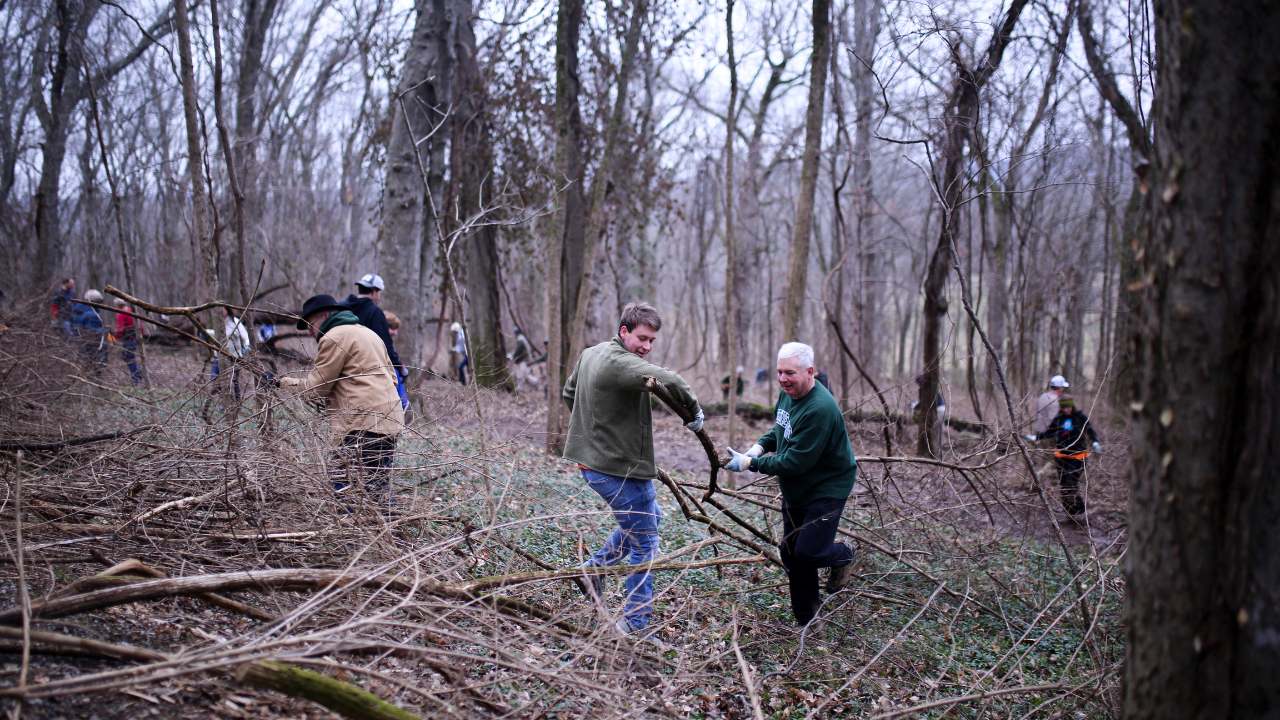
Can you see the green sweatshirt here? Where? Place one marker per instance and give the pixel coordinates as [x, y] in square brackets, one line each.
[610, 426]
[811, 456]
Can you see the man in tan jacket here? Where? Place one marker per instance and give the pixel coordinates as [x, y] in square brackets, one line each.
[354, 378]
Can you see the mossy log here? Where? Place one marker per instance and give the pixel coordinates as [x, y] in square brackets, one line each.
[339, 696]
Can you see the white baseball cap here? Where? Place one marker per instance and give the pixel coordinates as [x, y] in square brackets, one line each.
[1057, 381]
[371, 280]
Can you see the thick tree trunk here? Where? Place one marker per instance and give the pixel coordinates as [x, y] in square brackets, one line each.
[415, 114]
[471, 157]
[798, 265]
[65, 89]
[564, 243]
[1204, 544]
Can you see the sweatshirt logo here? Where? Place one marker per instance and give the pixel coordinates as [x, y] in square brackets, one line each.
[1067, 424]
[784, 419]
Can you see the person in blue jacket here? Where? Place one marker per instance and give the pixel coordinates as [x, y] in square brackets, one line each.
[86, 325]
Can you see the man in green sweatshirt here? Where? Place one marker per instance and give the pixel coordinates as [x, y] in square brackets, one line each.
[611, 439]
[815, 467]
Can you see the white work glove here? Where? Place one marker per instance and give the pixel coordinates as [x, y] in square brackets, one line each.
[1030, 438]
[738, 461]
[1097, 446]
[755, 451]
[696, 423]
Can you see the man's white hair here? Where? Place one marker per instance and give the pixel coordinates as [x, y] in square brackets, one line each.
[801, 352]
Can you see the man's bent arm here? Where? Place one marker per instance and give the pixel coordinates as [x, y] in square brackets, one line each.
[319, 382]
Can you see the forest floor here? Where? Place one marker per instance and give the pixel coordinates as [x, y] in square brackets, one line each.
[974, 597]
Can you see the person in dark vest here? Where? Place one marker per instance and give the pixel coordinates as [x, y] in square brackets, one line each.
[1073, 436]
[808, 450]
[365, 304]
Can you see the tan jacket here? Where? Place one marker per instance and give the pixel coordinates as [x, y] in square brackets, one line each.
[354, 375]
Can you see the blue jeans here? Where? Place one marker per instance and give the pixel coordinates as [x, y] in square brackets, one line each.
[635, 507]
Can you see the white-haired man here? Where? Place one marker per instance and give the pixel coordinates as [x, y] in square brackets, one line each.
[808, 450]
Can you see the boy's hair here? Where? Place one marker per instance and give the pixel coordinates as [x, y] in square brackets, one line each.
[393, 320]
[636, 314]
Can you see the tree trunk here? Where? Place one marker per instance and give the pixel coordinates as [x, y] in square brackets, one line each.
[471, 157]
[415, 113]
[65, 88]
[207, 277]
[258, 16]
[563, 256]
[798, 266]
[731, 329]
[1203, 571]
[866, 31]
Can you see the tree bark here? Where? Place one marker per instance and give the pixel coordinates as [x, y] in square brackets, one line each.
[416, 112]
[731, 329]
[1204, 550]
[798, 266]
[202, 229]
[563, 256]
[471, 157]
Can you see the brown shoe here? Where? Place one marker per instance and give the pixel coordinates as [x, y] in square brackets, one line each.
[840, 577]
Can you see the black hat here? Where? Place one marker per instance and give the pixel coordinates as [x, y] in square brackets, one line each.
[315, 304]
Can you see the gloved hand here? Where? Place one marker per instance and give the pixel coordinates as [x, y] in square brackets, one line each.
[1097, 446]
[696, 423]
[1030, 438]
[269, 379]
[755, 451]
[737, 461]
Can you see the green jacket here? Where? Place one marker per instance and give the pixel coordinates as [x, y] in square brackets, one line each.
[610, 425]
[811, 456]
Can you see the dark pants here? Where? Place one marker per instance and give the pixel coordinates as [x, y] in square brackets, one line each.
[1069, 473]
[364, 458]
[129, 353]
[808, 543]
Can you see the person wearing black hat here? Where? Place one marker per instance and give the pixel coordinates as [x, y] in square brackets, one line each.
[1074, 436]
[355, 377]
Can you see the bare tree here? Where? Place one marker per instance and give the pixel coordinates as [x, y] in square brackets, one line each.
[731, 328]
[959, 119]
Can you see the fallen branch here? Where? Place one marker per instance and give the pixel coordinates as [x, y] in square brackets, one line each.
[274, 579]
[486, 583]
[42, 639]
[42, 445]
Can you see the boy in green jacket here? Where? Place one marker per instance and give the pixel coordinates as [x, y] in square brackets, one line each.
[815, 467]
[611, 439]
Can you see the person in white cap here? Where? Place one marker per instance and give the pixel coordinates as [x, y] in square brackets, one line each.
[458, 353]
[364, 303]
[1046, 406]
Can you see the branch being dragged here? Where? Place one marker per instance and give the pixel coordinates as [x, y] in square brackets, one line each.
[654, 386]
